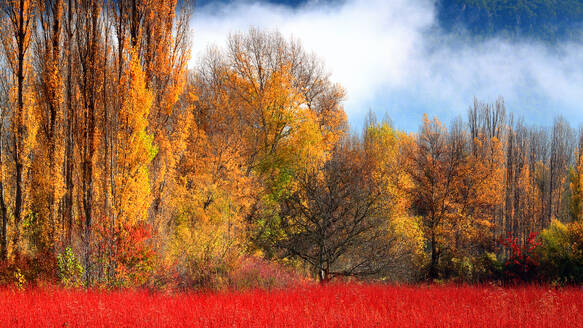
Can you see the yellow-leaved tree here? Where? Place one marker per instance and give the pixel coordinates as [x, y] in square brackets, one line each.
[384, 148]
[131, 192]
[46, 229]
[16, 30]
[575, 185]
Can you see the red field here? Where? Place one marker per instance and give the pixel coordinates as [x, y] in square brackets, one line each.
[329, 306]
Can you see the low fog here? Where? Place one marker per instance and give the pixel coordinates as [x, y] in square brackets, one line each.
[392, 57]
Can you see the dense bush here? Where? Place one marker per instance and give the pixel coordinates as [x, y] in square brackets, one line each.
[476, 269]
[70, 270]
[561, 252]
[522, 263]
[29, 271]
[254, 272]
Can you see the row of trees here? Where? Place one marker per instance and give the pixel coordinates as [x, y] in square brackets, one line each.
[120, 167]
[488, 178]
[89, 119]
[109, 147]
[442, 203]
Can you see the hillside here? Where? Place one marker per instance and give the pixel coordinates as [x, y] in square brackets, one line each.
[549, 20]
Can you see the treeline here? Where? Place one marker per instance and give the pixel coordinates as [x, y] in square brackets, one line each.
[485, 187]
[90, 127]
[119, 167]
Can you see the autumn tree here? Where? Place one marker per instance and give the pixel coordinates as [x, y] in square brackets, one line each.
[4, 108]
[561, 156]
[526, 180]
[166, 52]
[334, 220]
[483, 188]
[90, 83]
[385, 149]
[286, 130]
[19, 23]
[435, 169]
[134, 150]
[50, 92]
[274, 104]
[157, 31]
[575, 184]
[69, 119]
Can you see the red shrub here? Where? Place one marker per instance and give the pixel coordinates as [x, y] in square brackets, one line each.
[126, 245]
[522, 263]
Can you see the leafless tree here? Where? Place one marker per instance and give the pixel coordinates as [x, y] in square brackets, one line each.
[334, 221]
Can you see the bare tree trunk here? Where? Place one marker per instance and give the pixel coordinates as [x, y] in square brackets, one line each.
[20, 130]
[434, 257]
[3, 210]
[69, 124]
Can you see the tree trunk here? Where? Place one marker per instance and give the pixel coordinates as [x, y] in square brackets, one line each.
[433, 274]
[69, 122]
[19, 136]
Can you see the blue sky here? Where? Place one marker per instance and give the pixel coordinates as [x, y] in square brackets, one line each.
[391, 57]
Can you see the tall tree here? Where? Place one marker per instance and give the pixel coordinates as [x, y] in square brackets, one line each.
[50, 92]
[4, 109]
[16, 42]
[562, 145]
[334, 220]
[88, 52]
[435, 169]
[135, 150]
[69, 116]
[278, 104]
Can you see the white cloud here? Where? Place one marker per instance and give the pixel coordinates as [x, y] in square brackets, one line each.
[380, 49]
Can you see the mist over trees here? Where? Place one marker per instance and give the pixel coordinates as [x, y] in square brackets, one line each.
[120, 167]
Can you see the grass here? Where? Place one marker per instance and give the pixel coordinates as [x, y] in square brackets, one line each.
[336, 305]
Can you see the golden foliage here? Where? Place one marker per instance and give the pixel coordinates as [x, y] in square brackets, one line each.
[136, 149]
